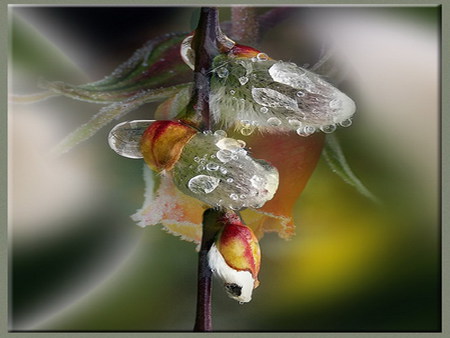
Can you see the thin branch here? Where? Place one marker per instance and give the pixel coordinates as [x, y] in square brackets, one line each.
[211, 225]
[205, 45]
[244, 25]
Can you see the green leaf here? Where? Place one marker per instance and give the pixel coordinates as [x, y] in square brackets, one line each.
[335, 158]
[157, 64]
[113, 112]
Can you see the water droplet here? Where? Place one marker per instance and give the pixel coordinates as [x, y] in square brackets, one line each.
[262, 57]
[201, 167]
[212, 166]
[197, 159]
[328, 129]
[243, 80]
[207, 132]
[125, 138]
[241, 143]
[242, 196]
[234, 197]
[246, 123]
[294, 123]
[220, 133]
[229, 144]
[222, 72]
[274, 121]
[306, 130]
[224, 155]
[241, 152]
[203, 184]
[223, 170]
[346, 123]
[300, 93]
[289, 74]
[264, 110]
[230, 180]
[241, 303]
[232, 92]
[246, 131]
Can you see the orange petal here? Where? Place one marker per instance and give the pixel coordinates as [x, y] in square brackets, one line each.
[295, 157]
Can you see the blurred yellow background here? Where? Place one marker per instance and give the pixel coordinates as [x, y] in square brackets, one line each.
[78, 262]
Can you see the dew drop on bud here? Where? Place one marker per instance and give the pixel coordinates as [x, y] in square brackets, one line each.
[274, 121]
[234, 197]
[203, 184]
[246, 131]
[262, 57]
[222, 72]
[243, 80]
[328, 129]
[125, 138]
[212, 166]
[346, 123]
[224, 155]
[220, 133]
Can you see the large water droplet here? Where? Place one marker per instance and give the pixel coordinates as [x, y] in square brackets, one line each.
[289, 74]
[203, 184]
[125, 138]
[272, 98]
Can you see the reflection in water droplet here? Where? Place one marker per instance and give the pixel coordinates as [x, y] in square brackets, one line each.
[203, 184]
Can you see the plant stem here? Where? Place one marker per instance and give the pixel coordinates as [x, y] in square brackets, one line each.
[244, 25]
[203, 318]
[205, 45]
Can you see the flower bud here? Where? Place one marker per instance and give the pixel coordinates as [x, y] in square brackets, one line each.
[235, 258]
[163, 142]
[218, 171]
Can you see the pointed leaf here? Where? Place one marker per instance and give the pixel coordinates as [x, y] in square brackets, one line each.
[113, 112]
[335, 158]
[157, 64]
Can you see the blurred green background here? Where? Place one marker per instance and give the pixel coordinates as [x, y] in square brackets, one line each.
[79, 263]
